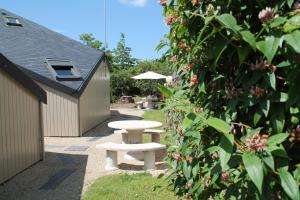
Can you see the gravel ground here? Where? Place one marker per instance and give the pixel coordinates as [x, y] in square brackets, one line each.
[72, 164]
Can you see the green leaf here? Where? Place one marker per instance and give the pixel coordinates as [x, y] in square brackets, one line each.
[292, 39]
[277, 138]
[297, 173]
[295, 120]
[290, 3]
[265, 107]
[218, 124]
[269, 47]
[217, 48]
[292, 24]
[186, 170]
[243, 52]
[254, 168]
[277, 118]
[284, 64]
[229, 22]
[195, 170]
[257, 116]
[277, 21]
[249, 38]
[294, 110]
[278, 151]
[226, 148]
[289, 185]
[188, 120]
[272, 80]
[268, 159]
[280, 97]
[165, 91]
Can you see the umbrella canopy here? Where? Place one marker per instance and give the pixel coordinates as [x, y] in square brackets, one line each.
[150, 75]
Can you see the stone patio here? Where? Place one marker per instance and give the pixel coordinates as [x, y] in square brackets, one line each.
[71, 165]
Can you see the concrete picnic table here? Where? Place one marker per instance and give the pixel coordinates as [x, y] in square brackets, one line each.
[135, 130]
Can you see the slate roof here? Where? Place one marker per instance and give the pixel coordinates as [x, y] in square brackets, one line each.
[29, 45]
[13, 71]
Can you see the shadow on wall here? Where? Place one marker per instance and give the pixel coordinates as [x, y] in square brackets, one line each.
[59, 176]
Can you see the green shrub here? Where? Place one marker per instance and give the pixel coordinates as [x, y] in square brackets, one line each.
[123, 84]
[235, 114]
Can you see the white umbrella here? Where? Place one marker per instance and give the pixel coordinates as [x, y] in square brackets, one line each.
[150, 75]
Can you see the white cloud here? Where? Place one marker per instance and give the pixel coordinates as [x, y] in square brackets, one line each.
[137, 3]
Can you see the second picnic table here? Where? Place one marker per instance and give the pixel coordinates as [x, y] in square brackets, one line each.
[135, 130]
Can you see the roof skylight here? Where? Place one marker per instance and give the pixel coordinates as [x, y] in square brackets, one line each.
[12, 21]
[63, 70]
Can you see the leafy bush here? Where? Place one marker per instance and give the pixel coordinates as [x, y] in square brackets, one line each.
[123, 84]
[235, 115]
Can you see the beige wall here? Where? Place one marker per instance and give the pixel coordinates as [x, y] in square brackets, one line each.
[94, 103]
[60, 115]
[20, 132]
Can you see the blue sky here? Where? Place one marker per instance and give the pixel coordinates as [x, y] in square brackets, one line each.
[140, 20]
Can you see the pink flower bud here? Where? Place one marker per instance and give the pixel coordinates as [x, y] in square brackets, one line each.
[298, 128]
[163, 2]
[188, 67]
[173, 59]
[257, 142]
[225, 176]
[194, 80]
[266, 15]
[170, 20]
[257, 91]
[297, 7]
[195, 2]
[177, 157]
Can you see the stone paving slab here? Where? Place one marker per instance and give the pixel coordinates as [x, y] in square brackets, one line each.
[77, 148]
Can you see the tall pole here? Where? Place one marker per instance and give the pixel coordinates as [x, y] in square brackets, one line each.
[105, 36]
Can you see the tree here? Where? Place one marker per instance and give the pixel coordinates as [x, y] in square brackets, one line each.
[89, 40]
[122, 55]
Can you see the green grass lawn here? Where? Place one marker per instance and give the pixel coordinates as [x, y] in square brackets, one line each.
[156, 115]
[123, 186]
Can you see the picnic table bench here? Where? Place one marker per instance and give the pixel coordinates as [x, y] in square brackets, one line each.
[147, 148]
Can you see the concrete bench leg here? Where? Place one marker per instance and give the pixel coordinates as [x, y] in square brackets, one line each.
[139, 106]
[111, 160]
[124, 138]
[155, 137]
[149, 158]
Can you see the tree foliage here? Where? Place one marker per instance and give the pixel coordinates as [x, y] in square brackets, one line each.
[122, 55]
[123, 84]
[89, 40]
[235, 113]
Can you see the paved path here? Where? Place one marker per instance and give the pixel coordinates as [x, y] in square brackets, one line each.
[70, 165]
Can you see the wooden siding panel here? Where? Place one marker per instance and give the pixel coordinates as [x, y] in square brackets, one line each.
[19, 128]
[60, 114]
[95, 100]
